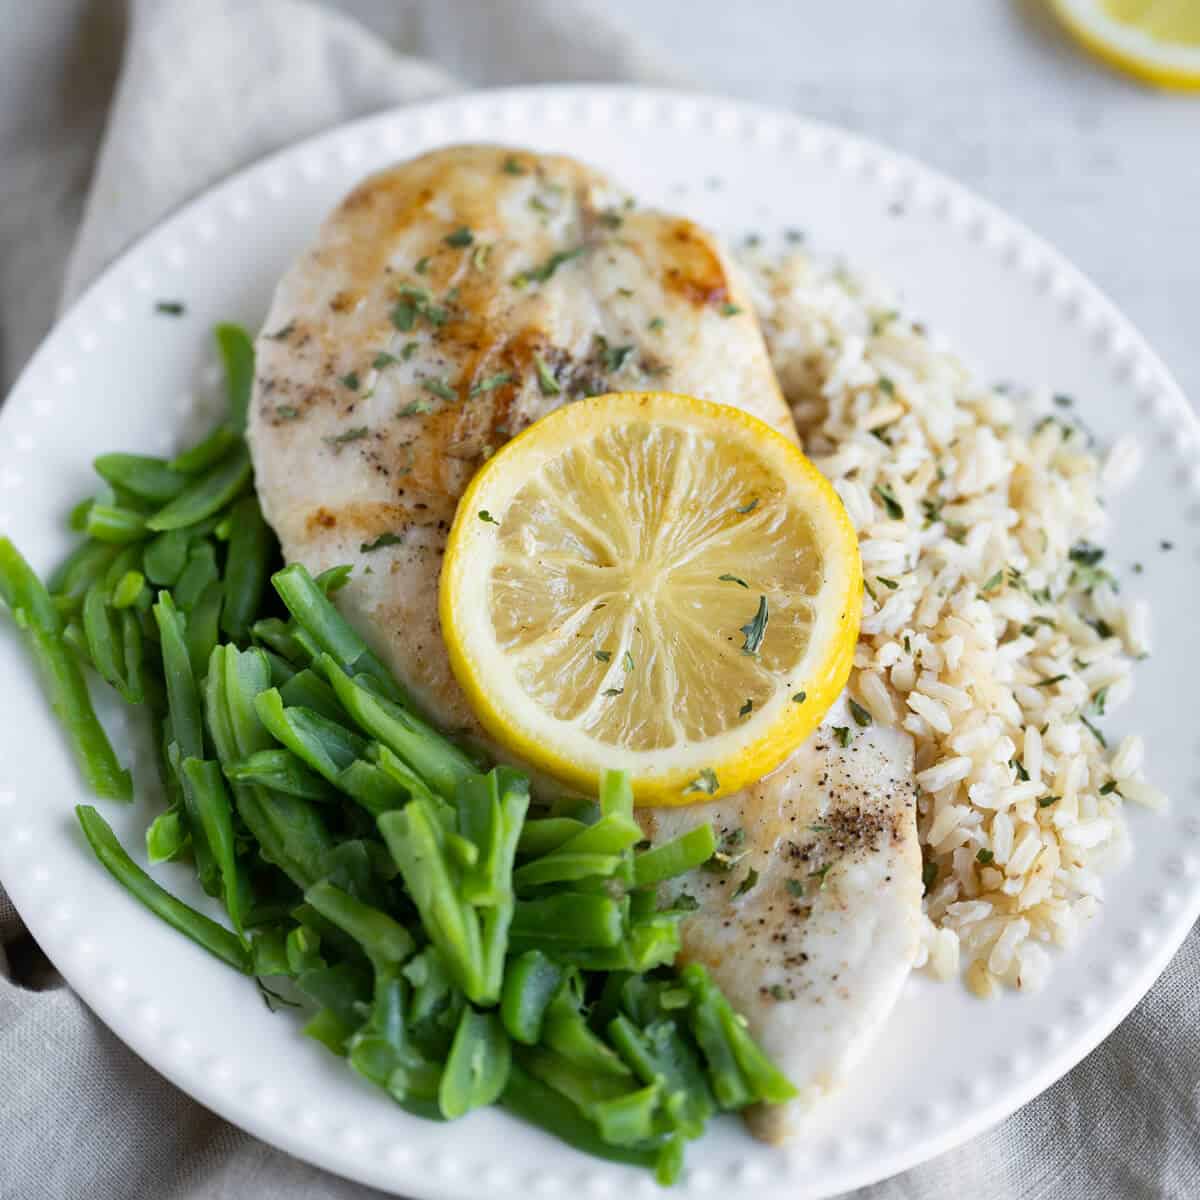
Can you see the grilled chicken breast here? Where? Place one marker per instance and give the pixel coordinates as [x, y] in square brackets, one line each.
[451, 301]
[448, 303]
[813, 920]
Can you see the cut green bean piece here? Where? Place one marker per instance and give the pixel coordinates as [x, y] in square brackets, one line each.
[306, 689]
[616, 794]
[36, 615]
[659, 1054]
[167, 837]
[491, 809]
[128, 589]
[286, 639]
[477, 1069]
[324, 745]
[532, 1100]
[583, 1087]
[541, 836]
[165, 557]
[214, 938]
[251, 546]
[104, 641]
[530, 983]
[281, 771]
[385, 940]
[237, 356]
[211, 450]
[109, 523]
[289, 832]
[569, 919]
[684, 853]
[413, 837]
[629, 1119]
[400, 773]
[561, 867]
[148, 478]
[269, 950]
[767, 1082]
[206, 495]
[183, 696]
[202, 627]
[372, 787]
[303, 949]
[246, 673]
[565, 1031]
[205, 785]
[74, 575]
[200, 571]
[334, 579]
[438, 761]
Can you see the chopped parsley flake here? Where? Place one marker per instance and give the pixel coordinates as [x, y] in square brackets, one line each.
[422, 265]
[779, 992]
[1018, 766]
[627, 662]
[1046, 801]
[891, 505]
[755, 628]
[750, 879]
[417, 406]
[511, 166]
[480, 255]
[546, 380]
[1063, 400]
[170, 308]
[746, 709]
[705, 782]
[730, 310]
[439, 388]
[286, 412]
[732, 579]
[1094, 732]
[384, 359]
[351, 435]
[993, 582]
[685, 902]
[799, 697]
[1085, 554]
[1109, 788]
[487, 518]
[862, 718]
[795, 887]
[887, 386]
[748, 508]
[612, 692]
[984, 857]
[842, 734]
[384, 539]
[613, 357]
[462, 236]
[542, 273]
[655, 324]
[350, 380]
[887, 583]
[1050, 681]
[820, 873]
[603, 655]
[929, 874]
[492, 382]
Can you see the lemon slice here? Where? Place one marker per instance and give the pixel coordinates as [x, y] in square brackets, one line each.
[651, 582]
[1156, 40]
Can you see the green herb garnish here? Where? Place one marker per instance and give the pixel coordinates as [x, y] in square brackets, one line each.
[492, 382]
[748, 508]
[439, 388]
[891, 505]
[487, 518]
[705, 782]
[749, 880]
[984, 857]
[170, 308]
[746, 709]
[862, 718]
[384, 539]
[603, 655]
[733, 579]
[351, 435]
[842, 735]
[462, 236]
[542, 273]
[350, 380]
[755, 628]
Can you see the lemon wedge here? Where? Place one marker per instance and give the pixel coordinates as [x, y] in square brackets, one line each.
[651, 582]
[1156, 40]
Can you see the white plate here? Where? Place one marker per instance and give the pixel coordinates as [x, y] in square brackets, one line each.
[115, 375]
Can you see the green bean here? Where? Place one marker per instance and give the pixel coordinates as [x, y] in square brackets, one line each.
[214, 938]
[206, 495]
[343, 991]
[334, 579]
[322, 744]
[536, 1102]
[167, 837]
[202, 626]
[385, 940]
[561, 867]
[183, 697]
[372, 787]
[72, 635]
[74, 575]
[109, 523]
[413, 838]
[569, 919]
[491, 809]
[281, 669]
[399, 772]
[629, 1119]
[530, 983]
[77, 517]
[269, 950]
[286, 639]
[659, 1054]
[672, 858]
[165, 557]
[207, 452]
[201, 570]
[289, 832]
[251, 547]
[237, 355]
[147, 478]
[281, 771]
[546, 834]
[565, 1031]
[613, 834]
[129, 588]
[764, 1079]
[616, 794]
[436, 759]
[205, 785]
[35, 614]
[245, 674]
[303, 950]
[306, 689]
[476, 1071]
[315, 612]
[105, 645]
